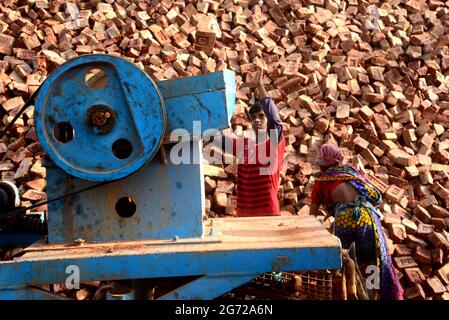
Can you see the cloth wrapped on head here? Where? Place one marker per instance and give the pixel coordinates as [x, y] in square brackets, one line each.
[329, 155]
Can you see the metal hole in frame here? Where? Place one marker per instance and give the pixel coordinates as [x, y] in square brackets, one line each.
[122, 148]
[125, 207]
[96, 78]
[63, 132]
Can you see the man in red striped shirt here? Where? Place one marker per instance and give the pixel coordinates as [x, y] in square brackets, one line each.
[259, 158]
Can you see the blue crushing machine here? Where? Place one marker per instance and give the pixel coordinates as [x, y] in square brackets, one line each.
[126, 210]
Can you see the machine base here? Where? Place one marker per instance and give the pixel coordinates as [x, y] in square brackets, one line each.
[234, 251]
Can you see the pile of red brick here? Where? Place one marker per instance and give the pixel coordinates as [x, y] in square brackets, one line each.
[371, 76]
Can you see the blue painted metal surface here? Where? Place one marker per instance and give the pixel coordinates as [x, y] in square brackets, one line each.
[208, 287]
[139, 109]
[139, 117]
[169, 201]
[207, 98]
[169, 198]
[152, 263]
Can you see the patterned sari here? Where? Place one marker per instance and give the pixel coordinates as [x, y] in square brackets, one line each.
[359, 222]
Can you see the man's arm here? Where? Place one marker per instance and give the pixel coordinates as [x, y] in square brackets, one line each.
[271, 112]
[269, 108]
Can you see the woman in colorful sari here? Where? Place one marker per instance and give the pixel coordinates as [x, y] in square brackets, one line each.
[352, 199]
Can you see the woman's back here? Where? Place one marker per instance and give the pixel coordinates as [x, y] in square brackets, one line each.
[331, 193]
[344, 193]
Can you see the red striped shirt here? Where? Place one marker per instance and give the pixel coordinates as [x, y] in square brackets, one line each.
[258, 176]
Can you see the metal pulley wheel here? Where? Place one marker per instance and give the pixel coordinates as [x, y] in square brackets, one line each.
[99, 117]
